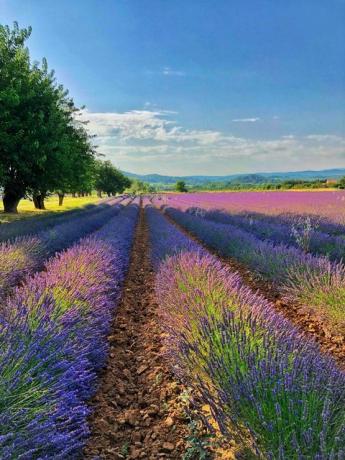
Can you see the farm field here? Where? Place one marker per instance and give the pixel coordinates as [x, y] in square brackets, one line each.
[318, 204]
[172, 230]
[26, 207]
[180, 326]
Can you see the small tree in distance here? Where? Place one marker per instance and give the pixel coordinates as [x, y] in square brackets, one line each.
[341, 183]
[181, 186]
[109, 179]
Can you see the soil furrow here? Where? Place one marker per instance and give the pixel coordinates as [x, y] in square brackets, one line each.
[138, 411]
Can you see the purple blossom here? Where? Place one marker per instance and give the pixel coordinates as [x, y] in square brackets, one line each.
[257, 373]
[306, 279]
[27, 254]
[53, 339]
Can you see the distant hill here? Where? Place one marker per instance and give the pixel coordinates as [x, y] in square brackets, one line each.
[257, 178]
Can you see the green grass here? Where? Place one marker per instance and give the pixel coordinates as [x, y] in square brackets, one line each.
[26, 207]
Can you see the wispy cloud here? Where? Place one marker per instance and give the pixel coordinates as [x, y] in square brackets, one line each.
[173, 73]
[141, 125]
[153, 139]
[246, 120]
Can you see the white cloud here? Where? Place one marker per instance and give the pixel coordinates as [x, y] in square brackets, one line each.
[153, 139]
[173, 73]
[325, 138]
[246, 120]
[143, 125]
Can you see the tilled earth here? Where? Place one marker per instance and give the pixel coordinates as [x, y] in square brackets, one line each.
[138, 412]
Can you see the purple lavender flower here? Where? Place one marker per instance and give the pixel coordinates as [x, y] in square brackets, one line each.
[257, 373]
[53, 339]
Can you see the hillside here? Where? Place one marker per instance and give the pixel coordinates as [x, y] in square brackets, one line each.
[256, 178]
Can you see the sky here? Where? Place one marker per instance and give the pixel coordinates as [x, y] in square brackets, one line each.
[191, 87]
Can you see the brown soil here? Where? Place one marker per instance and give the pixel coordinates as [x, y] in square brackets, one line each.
[138, 412]
[305, 319]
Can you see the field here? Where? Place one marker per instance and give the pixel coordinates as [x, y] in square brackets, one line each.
[26, 207]
[180, 326]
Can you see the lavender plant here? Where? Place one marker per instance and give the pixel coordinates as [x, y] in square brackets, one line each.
[164, 242]
[53, 334]
[40, 223]
[249, 364]
[300, 276]
[25, 255]
[300, 231]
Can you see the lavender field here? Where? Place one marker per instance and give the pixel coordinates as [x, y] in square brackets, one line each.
[274, 384]
[172, 230]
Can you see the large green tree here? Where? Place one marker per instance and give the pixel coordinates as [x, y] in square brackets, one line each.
[42, 146]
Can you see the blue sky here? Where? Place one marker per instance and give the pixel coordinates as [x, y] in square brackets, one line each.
[200, 86]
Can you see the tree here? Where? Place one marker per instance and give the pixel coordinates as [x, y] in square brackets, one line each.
[109, 179]
[181, 186]
[40, 140]
[139, 186]
[67, 164]
[15, 91]
[341, 183]
[78, 171]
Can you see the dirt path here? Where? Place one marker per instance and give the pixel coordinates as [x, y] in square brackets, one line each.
[138, 410]
[304, 319]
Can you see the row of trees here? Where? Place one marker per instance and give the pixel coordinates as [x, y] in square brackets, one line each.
[44, 146]
[109, 179]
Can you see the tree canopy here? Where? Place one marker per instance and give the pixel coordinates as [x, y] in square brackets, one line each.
[43, 146]
[341, 183]
[109, 179]
[181, 186]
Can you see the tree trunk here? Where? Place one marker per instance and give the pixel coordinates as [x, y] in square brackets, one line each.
[99, 193]
[73, 195]
[109, 194]
[38, 200]
[10, 200]
[61, 197]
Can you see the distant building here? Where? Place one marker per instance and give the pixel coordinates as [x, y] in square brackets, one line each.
[331, 181]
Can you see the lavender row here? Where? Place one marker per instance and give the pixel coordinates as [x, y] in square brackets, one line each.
[53, 338]
[251, 366]
[323, 209]
[257, 374]
[301, 232]
[322, 223]
[302, 278]
[27, 254]
[37, 224]
[164, 241]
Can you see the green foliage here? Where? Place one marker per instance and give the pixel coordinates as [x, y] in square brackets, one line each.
[246, 185]
[198, 445]
[181, 186]
[341, 183]
[139, 186]
[109, 179]
[43, 147]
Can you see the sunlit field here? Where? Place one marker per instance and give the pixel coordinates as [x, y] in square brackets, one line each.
[328, 204]
[26, 207]
[193, 307]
